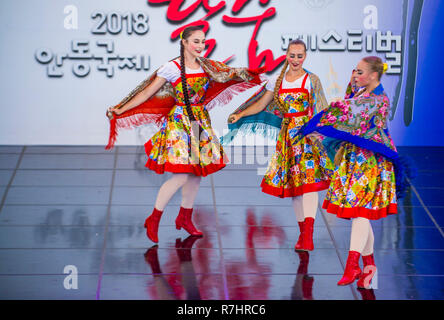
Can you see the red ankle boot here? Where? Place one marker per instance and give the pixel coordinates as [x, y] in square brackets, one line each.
[307, 239]
[368, 261]
[352, 270]
[367, 294]
[152, 225]
[152, 259]
[307, 287]
[183, 220]
[304, 258]
[183, 248]
[299, 245]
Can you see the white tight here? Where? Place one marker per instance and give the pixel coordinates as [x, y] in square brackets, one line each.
[305, 206]
[362, 237]
[189, 184]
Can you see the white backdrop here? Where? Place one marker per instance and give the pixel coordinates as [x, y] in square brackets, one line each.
[58, 107]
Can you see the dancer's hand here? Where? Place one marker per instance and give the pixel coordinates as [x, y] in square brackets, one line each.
[352, 79]
[339, 155]
[111, 111]
[315, 136]
[234, 118]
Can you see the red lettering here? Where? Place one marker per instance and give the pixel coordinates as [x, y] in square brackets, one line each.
[211, 44]
[265, 56]
[174, 13]
[204, 24]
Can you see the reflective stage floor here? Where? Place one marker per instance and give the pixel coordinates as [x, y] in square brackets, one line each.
[81, 209]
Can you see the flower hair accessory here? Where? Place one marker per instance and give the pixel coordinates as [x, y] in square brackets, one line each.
[385, 68]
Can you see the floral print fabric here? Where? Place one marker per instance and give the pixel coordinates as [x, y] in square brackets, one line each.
[296, 168]
[184, 147]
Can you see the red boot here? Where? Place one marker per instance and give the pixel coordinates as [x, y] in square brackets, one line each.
[152, 259]
[183, 220]
[299, 245]
[352, 270]
[183, 248]
[304, 258]
[368, 261]
[307, 287]
[367, 294]
[307, 239]
[307, 281]
[152, 225]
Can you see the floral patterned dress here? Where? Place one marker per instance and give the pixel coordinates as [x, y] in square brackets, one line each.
[364, 184]
[177, 147]
[302, 167]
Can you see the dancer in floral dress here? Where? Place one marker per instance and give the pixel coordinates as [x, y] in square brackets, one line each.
[368, 177]
[186, 144]
[298, 170]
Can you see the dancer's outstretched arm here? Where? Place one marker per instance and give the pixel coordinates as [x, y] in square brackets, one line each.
[257, 107]
[141, 97]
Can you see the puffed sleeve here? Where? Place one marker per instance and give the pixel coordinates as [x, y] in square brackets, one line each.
[271, 83]
[169, 71]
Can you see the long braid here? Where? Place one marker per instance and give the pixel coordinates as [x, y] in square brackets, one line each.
[283, 107]
[184, 84]
[279, 80]
[185, 34]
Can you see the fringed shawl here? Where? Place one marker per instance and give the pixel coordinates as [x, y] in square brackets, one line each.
[269, 121]
[225, 83]
[363, 122]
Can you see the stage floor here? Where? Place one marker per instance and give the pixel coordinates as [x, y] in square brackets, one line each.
[85, 207]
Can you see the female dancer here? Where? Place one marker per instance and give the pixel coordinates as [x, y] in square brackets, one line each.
[178, 96]
[296, 170]
[363, 186]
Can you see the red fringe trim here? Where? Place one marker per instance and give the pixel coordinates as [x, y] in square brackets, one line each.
[294, 192]
[112, 134]
[222, 93]
[348, 213]
[180, 168]
[154, 110]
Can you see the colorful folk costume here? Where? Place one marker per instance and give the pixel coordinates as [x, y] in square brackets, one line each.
[296, 168]
[185, 143]
[364, 183]
[368, 177]
[170, 149]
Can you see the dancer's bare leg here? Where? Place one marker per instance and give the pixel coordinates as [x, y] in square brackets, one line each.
[189, 191]
[359, 234]
[368, 248]
[310, 204]
[298, 208]
[169, 188]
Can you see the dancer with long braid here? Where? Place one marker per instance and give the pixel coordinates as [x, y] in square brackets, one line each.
[299, 170]
[178, 96]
